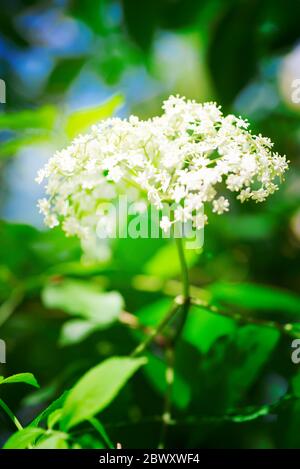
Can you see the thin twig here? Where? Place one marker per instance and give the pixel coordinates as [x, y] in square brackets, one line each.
[238, 416]
[286, 328]
[159, 328]
[133, 322]
[201, 297]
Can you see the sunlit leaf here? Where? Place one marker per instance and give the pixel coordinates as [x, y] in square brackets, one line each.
[53, 418]
[56, 440]
[76, 331]
[165, 263]
[102, 432]
[83, 299]
[23, 438]
[57, 404]
[97, 389]
[41, 118]
[13, 145]
[27, 378]
[80, 121]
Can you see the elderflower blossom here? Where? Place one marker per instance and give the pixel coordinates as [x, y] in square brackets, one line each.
[186, 157]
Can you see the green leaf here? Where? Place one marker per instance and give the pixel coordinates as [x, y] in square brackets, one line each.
[57, 440]
[82, 299]
[42, 118]
[43, 248]
[203, 328]
[102, 432]
[256, 297]
[97, 388]
[23, 438]
[80, 121]
[253, 348]
[76, 331]
[13, 145]
[165, 262]
[27, 378]
[53, 418]
[57, 404]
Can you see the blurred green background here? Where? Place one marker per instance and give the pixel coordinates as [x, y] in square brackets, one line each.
[67, 64]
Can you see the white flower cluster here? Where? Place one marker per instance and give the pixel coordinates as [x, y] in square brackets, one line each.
[185, 157]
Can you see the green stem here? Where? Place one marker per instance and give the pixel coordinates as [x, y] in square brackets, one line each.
[184, 269]
[170, 352]
[143, 345]
[166, 416]
[11, 415]
[9, 306]
[185, 290]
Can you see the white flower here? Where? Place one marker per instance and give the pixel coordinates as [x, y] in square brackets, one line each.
[165, 224]
[260, 195]
[248, 163]
[154, 197]
[178, 193]
[200, 221]
[66, 161]
[40, 176]
[244, 194]
[44, 206]
[115, 174]
[182, 214]
[51, 220]
[179, 158]
[220, 205]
